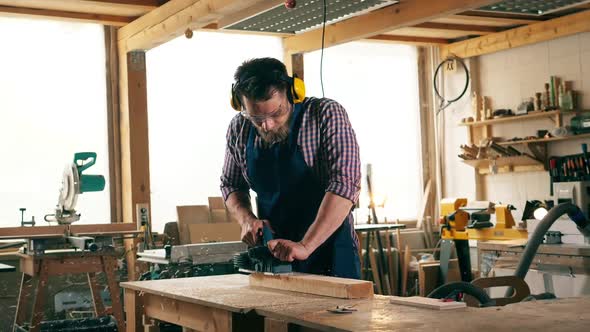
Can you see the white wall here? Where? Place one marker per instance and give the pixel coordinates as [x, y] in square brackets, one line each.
[509, 77]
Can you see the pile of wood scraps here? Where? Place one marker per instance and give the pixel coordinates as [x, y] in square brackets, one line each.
[206, 223]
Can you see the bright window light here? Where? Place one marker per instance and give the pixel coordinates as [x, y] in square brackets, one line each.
[52, 104]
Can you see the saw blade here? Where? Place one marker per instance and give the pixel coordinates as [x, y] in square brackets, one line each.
[70, 189]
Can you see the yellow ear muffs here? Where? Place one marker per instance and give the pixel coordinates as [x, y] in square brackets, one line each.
[235, 101]
[298, 90]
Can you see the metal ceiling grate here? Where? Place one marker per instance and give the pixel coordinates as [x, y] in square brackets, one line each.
[532, 7]
[308, 14]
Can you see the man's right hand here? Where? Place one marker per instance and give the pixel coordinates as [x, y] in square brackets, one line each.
[251, 230]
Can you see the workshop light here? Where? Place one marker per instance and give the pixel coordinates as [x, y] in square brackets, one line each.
[540, 213]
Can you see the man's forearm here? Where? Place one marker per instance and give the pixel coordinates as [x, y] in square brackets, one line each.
[330, 216]
[239, 206]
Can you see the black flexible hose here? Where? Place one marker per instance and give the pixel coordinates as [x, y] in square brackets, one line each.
[446, 290]
[536, 239]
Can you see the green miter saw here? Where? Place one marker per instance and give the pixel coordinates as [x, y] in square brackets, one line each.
[73, 184]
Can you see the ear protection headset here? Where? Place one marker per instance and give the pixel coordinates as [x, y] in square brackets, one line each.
[295, 91]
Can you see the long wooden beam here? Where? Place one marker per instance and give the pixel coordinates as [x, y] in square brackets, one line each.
[404, 14]
[173, 18]
[410, 40]
[26, 232]
[467, 28]
[111, 20]
[529, 34]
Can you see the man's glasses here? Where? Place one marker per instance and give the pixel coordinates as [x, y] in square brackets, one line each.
[259, 119]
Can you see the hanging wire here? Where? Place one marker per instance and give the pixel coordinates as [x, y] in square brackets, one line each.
[322, 53]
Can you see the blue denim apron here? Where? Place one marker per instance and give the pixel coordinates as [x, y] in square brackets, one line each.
[289, 196]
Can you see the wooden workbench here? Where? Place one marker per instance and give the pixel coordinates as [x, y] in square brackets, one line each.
[227, 303]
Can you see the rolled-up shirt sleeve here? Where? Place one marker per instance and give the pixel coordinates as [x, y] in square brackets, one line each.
[341, 152]
[232, 178]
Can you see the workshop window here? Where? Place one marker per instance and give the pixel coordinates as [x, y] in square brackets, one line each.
[377, 83]
[188, 84]
[52, 104]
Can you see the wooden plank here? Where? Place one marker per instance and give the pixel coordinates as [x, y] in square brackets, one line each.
[56, 231]
[124, 8]
[114, 127]
[411, 40]
[173, 18]
[315, 284]
[104, 19]
[190, 214]
[216, 203]
[427, 303]
[375, 269]
[220, 232]
[429, 275]
[404, 14]
[530, 34]
[191, 315]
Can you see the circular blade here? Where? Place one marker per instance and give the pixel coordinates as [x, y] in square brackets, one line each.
[70, 188]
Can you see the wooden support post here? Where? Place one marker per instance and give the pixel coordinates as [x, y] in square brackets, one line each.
[273, 325]
[40, 297]
[135, 172]
[133, 310]
[95, 292]
[109, 264]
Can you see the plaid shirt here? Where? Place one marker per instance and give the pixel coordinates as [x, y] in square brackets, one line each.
[326, 139]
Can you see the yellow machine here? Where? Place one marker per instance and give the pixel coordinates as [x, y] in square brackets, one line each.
[459, 224]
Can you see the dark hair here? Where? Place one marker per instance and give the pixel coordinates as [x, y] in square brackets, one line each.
[257, 79]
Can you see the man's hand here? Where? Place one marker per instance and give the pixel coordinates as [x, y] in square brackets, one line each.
[251, 231]
[288, 251]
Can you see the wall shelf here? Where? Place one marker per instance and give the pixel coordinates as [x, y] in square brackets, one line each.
[545, 140]
[522, 163]
[515, 118]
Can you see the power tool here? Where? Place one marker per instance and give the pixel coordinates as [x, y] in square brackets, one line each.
[260, 259]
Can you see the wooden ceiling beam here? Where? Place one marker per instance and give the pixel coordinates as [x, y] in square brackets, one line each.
[467, 28]
[111, 20]
[525, 35]
[248, 13]
[404, 14]
[411, 40]
[148, 4]
[173, 18]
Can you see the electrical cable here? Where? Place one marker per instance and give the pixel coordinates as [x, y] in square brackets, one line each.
[442, 105]
[322, 52]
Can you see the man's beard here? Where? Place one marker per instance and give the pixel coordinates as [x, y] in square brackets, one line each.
[276, 136]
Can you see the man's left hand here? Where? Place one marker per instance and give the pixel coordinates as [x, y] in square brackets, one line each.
[288, 251]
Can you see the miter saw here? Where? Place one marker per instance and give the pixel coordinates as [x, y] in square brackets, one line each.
[75, 183]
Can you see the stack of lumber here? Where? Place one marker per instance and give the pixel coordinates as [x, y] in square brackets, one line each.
[206, 223]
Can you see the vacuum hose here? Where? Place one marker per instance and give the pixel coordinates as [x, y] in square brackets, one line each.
[448, 290]
[536, 239]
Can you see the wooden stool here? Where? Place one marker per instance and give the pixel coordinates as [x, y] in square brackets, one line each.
[60, 263]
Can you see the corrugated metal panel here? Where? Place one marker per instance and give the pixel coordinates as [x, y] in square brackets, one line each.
[532, 7]
[308, 14]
